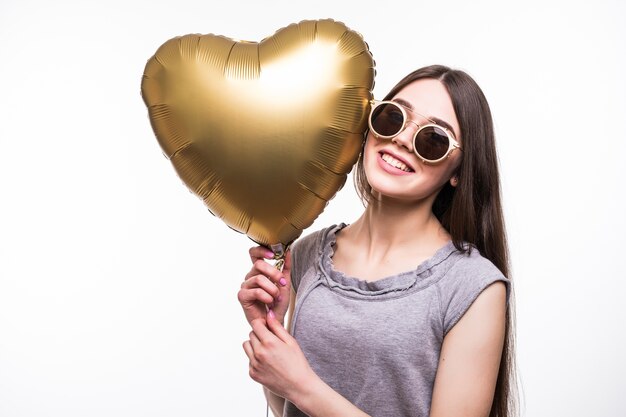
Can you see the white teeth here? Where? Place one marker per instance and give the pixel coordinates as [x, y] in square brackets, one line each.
[395, 163]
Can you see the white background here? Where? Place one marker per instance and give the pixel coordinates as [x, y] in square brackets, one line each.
[117, 286]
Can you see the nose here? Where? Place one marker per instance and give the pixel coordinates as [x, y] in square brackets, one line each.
[405, 138]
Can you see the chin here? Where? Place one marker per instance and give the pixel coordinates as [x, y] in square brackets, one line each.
[391, 188]
[393, 191]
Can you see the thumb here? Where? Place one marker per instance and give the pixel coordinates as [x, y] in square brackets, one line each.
[278, 329]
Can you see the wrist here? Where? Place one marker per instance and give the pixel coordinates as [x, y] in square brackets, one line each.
[311, 389]
[316, 398]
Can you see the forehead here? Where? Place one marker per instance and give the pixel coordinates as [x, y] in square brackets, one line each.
[430, 98]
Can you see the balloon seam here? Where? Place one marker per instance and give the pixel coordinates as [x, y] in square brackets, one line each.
[311, 191]
[227, 61]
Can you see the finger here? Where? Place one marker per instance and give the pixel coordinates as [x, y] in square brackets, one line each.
[259, 263]
[247, 347]
[270, 271]
[277, 329]
[246, 296]
[284, 293]
[287, 269]
[260, 252]
[262, 267]
[253, 364]
[254, 341]
[259, 327]
[261, 281]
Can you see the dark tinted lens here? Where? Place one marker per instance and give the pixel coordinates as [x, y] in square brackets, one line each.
[387, 120]
[431, 143]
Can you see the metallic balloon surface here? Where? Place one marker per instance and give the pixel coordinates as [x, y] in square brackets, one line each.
[265, 132]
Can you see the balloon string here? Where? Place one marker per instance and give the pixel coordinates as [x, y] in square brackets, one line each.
[280, 252]
[280, 263]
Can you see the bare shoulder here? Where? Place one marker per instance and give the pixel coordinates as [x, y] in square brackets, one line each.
[488, 306]
[482, 325]
[471, 353]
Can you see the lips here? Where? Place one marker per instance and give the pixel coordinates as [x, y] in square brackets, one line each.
[395, 161]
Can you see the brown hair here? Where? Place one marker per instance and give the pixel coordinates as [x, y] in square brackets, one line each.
[472, 211]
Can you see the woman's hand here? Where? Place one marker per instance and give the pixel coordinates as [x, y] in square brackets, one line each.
[276, 360]
[278, 363]
[265, 285]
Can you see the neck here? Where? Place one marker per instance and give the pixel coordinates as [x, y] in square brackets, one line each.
[391, 224]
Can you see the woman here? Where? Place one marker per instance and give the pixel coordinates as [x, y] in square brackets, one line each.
[372, 333]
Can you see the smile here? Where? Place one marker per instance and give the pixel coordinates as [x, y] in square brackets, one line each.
[390, 160]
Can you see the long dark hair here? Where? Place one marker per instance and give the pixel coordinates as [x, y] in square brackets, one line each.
[472, 211]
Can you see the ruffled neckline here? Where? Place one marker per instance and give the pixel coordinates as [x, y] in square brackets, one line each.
[418, 278]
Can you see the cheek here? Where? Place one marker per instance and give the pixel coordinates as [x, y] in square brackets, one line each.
[447, 172]
[455, 164]
[369, 153]
[368, 142]
[366, 150]
[369, 149]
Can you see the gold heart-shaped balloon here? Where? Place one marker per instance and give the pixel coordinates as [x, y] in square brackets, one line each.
[265, 133]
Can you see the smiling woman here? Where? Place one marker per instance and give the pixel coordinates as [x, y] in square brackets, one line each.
[412, 139]
[401, 312]
[117, 286]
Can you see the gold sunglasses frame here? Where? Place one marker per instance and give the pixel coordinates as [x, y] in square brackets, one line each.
[452, 142]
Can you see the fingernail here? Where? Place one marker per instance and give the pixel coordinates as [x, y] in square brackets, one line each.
[269, 254]
[280, 297]
[283, 282]
[271, 313]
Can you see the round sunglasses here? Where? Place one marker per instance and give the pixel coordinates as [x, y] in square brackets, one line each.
[432, 143]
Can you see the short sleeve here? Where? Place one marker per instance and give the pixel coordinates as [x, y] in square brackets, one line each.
[462, 285]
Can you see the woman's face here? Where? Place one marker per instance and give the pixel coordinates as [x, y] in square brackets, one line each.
[383, 159]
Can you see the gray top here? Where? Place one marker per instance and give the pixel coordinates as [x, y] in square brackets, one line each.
[378, 343]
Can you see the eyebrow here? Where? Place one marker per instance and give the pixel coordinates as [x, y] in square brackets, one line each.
[437, 120]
